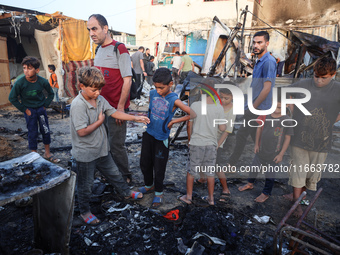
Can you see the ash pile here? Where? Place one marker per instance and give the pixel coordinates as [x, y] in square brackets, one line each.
[133, 229]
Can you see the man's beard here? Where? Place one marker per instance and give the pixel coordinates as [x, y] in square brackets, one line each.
[260, 52]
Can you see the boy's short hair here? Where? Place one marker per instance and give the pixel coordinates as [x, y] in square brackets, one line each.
[184, 53]
[324, 66]
[162, 75]
[141, 48]
[52, 67]
[31, 61]
[91, 77]
[225, 91]
[177, 53]
[152, 57]
[101, 20]
[264, 34]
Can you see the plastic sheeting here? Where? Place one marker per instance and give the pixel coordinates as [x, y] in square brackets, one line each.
[50, 54]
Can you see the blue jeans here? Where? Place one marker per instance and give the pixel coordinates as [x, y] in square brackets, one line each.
[56, 96]
[270, 176]
[38, 116]
[85, 179]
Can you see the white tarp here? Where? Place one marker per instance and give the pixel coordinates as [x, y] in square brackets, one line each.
[50, 55]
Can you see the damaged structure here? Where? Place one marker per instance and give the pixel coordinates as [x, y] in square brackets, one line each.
[54, 38]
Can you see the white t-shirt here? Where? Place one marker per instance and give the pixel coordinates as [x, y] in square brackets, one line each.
[176, 62]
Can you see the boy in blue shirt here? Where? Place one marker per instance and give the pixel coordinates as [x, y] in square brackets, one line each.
[155, 148]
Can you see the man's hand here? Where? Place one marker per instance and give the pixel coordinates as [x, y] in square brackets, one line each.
[256, 148]
[28, 112]
[120, 122]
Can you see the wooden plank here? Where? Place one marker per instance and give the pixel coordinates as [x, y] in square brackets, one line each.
[3, 48]
[4, 73]
[5, 80]
[4, 93]
[5, 15]
[5, 105]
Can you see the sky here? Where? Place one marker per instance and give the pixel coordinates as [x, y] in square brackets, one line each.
[120, 14]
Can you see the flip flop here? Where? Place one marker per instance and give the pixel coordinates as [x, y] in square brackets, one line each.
[145, 191]
[206, 199]
[179, 199]
[157, 200]
[134, 196]
[52, 159]
[88, 221]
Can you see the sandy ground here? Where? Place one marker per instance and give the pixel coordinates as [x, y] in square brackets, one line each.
[324, 215]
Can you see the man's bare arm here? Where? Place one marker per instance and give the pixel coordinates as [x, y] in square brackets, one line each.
[125, 93]
[264, 93]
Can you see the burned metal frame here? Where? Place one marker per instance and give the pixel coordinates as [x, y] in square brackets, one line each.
[297, 234]
[224, 50]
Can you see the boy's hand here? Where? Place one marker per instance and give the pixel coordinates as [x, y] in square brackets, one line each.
[278, 158]
[170, 124]
[101, 117]
[28, 112]
[142, 119]
[256, 149]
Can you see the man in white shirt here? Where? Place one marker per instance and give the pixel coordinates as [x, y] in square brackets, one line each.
[176, 63]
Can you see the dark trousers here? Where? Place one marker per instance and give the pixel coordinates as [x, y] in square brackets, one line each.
[242, 136]
[149, 79]
[85, 178]
[175, 76]
[270, 176]
[183, 76]
[153, 160]
[139, 84]
[38, 117]
[116, 136]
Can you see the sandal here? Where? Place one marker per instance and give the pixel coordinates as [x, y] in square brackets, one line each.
[134, 196]
[224, 197]
[52, 159]
[88, 221]
[206, 199]
[157, 202]
[183, 201]
[146, 191]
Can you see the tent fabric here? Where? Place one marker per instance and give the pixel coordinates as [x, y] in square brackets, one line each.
[70, 78]
[50, 54]
[76, 42]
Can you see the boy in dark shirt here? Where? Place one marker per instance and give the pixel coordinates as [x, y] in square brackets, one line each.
[272, 141]
[313, 133]
[33, 104]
